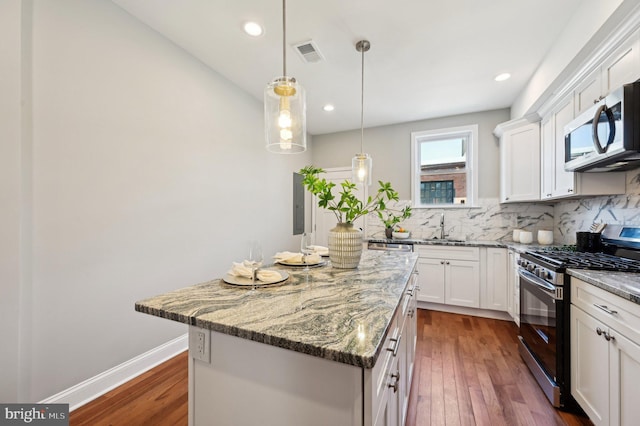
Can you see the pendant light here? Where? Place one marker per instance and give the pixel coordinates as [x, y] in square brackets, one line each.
[362, 164]
[285, 113]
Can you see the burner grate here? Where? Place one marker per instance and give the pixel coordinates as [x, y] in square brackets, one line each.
[594, 261]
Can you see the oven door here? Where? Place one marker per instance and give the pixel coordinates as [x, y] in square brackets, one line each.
[538, 310]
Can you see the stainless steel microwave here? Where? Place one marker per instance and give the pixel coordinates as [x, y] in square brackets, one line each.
[606, 137]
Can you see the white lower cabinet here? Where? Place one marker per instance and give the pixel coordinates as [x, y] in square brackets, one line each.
[450, 275]
[605, 355]
[495, 288]
[473, 277]
[513, 284]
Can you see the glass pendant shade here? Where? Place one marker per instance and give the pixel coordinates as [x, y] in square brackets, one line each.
[285, 116]
[361, 166]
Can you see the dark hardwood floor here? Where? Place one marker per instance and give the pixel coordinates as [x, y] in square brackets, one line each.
[468, 372]
[157, 397]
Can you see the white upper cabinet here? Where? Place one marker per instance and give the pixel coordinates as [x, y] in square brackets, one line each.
[615, 63]
[564, 182]
[622, 66]
[589, 91]
[547, 158]
[519, 161]
[556, 183]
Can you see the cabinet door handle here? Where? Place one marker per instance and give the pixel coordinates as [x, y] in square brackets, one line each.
[447, 262]
[570, 190]
[608, 337]
[396, 380]
[396, 345]
[599, 331]
[606, 309]
[395, 352]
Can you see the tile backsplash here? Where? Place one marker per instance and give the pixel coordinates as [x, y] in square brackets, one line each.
[578, 215]
[494, 221]
[489, 221]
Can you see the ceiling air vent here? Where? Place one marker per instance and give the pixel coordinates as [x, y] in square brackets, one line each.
[309, 51]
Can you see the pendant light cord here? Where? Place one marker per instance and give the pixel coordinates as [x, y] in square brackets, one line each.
[284, 38]
[362, 108]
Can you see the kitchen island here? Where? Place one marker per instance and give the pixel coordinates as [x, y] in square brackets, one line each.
[328, 346]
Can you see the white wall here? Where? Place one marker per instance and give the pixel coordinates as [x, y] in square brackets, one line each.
[10, 195]
[590, 26]
[390, 147]
[149, 174]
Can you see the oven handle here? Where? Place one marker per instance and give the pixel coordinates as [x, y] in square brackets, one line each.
[548, 287]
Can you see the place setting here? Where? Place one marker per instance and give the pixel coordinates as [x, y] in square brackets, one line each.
[249, 273]
[310, 255]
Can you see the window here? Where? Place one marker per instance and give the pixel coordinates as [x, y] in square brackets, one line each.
[443, 167]
[437, 192]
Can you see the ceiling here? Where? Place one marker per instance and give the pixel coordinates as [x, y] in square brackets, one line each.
[427, 59]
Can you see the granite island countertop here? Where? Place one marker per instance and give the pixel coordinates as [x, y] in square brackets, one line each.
[623, 284]
[338, 314]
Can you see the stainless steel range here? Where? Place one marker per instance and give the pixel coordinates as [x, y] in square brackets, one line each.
[545, 299]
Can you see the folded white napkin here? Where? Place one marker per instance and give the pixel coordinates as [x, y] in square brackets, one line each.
[290, 257]
[244, 270]
[321, 250]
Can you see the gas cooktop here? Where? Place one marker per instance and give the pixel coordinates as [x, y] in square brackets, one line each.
[580, 260]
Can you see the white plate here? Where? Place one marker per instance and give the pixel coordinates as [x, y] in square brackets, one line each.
[285, 263]
[246, 282]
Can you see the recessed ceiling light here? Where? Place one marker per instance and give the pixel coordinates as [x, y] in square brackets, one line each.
[328, 108]
[502, 77]
[253, 29]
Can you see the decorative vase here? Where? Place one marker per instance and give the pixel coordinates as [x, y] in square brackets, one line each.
[388, 232]
[345, 246]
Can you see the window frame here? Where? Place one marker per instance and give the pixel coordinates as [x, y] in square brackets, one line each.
[471, 133]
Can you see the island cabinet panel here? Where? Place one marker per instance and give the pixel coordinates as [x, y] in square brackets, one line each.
[250, 383]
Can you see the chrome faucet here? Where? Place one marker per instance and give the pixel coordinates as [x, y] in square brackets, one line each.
[442, 234]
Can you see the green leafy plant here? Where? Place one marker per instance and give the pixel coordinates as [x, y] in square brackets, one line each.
[391, 217]
[346, 206]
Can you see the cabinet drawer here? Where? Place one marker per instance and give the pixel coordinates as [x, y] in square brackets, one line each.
[624, 315]
[381, 371]
[449, 252]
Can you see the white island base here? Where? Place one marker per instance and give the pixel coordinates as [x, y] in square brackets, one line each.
[235, 381]
[250, 383]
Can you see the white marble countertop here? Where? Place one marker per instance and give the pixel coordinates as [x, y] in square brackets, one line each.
[338, 314]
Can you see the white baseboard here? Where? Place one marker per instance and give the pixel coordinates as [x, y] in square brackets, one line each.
[476, 312]
[82, 393]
